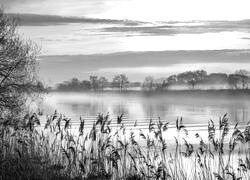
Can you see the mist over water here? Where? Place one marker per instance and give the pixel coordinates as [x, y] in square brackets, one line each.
[196, 109]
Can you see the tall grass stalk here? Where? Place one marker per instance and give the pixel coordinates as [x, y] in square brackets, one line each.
[58, 150]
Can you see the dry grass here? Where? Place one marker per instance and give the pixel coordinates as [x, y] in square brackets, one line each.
[58, 151]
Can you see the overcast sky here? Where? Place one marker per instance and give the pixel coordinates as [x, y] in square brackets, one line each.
[150, 41]
[146, 10]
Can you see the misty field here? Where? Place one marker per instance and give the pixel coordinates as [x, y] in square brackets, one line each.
[57, 150]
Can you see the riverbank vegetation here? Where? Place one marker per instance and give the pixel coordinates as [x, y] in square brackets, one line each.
[58, 149]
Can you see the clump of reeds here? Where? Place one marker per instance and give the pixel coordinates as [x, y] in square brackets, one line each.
[56, 150]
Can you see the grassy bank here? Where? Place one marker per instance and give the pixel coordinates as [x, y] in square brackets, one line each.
[56, 150]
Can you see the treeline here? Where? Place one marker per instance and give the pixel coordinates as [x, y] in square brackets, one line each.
[198, 79]
[95, 83]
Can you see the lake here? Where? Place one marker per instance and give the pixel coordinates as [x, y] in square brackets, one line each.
[195, 108]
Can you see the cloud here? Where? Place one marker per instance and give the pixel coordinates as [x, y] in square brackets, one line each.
[55, 7]
[37, 19]
[139, 27]
[9, 4]
[136, 65]
[176, 68]
[197, 27]
[149, 10]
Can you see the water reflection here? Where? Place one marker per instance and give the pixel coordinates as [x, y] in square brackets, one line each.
[195, 109]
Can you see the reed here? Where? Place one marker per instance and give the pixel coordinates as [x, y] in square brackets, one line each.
[57, 150]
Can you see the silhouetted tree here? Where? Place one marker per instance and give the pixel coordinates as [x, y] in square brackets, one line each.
[18, 78]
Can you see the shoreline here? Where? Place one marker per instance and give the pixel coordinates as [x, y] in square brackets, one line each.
[216, 92]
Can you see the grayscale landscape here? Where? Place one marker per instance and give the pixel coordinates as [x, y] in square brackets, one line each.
[124, 89]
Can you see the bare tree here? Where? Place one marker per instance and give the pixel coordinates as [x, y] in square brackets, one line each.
[18, 64]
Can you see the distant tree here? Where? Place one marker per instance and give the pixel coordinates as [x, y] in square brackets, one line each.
[18, 65]
[244, 77]
[183, 78]
[148, 83]
[233, 80]
[200, 75]
[135, 84]
[61, 86]
[172, 79]
[74, 85]
[165, 84]
[94, 82]
[103, 82]
[71, 85]
[120, 81]
[85, 85]
[215, 78]
[192, 82]
[192, 77]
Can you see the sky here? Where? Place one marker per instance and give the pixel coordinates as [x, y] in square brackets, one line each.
[79, 38]
[145, 10]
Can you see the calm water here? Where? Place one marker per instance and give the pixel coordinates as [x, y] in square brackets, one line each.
[195, 109]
